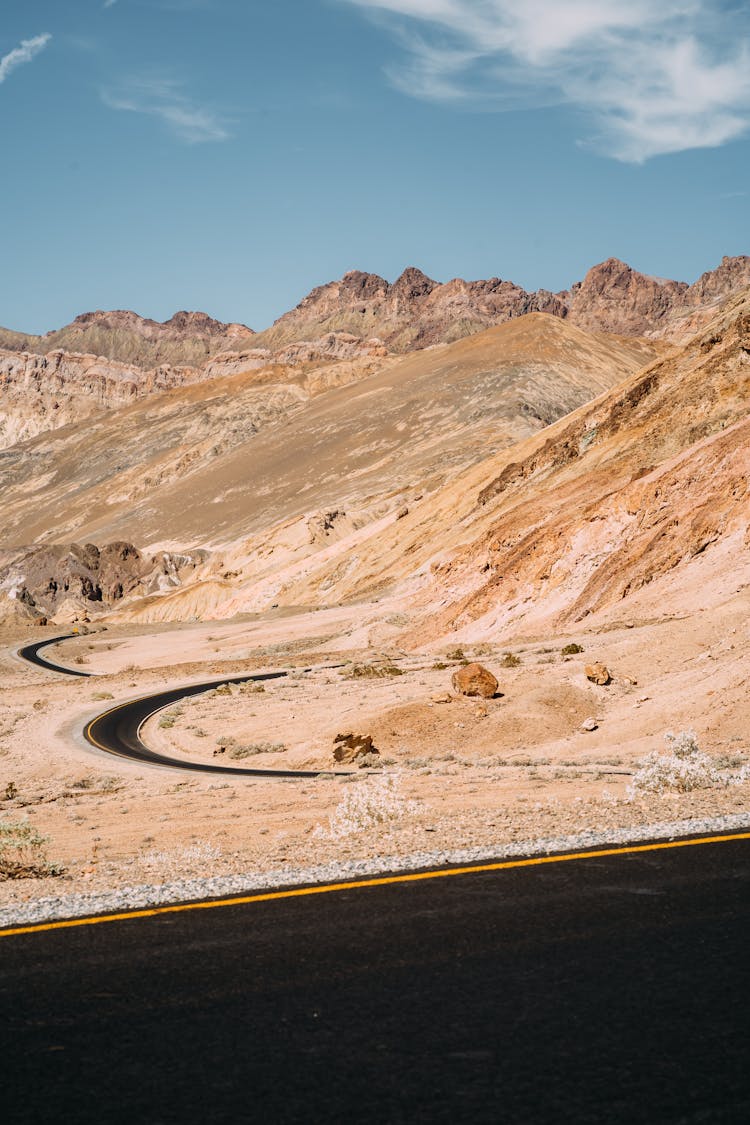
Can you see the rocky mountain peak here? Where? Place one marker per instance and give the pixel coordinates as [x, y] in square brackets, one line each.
[412, 284]
[730, 276]
[179, 326]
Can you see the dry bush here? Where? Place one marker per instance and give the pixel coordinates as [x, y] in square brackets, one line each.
[371, 672]
[23, 851]
[374, 802]
[683, 768]
[173, 864]
[251, 749]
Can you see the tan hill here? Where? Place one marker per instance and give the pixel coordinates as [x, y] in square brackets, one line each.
[416, 312]
[637, 504]
[210, 464]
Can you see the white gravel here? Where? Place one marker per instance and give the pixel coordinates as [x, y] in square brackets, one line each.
[185, 890]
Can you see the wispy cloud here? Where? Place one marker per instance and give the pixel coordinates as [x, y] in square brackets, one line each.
[24, 53]
[109, 3]
[655, 78]
[165, 99]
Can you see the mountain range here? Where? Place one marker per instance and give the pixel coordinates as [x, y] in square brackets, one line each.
[521, 475]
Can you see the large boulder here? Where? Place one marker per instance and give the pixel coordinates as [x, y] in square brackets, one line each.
[350, 747]
[598, 674]
[474, 679]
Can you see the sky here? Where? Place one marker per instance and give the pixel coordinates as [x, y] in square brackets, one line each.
[229, 155]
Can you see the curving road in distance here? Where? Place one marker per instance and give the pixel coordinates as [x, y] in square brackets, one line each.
[31, 653]
[117, 731]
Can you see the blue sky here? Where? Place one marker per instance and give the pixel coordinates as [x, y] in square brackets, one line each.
[228, 155]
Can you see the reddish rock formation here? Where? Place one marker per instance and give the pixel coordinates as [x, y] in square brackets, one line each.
[416, 312]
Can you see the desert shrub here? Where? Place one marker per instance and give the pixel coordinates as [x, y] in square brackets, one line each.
[102, 695]
[455, 654]
[571, 649]
[510, 660]
[11, 791]
[373, 802]
[253, 748]
[439, 666]
[166, 722]
[109, 783]
[371, 671]
[172, 864]
[23, 851]
[682, 768]
[252, 688]
[370, 761]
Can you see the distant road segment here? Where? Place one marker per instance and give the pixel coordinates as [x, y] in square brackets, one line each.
[117, 731]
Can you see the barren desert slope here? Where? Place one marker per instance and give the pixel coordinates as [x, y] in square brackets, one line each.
[206, 463]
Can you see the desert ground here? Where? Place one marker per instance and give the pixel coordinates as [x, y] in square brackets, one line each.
[454, 771]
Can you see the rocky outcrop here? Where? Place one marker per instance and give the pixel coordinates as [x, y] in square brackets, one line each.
[45, 579]
[334, 346]
[598, 673]
[414, 312]
[353, 747]
[615, 298]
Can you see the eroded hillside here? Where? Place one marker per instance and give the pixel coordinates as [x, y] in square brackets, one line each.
[212, 464]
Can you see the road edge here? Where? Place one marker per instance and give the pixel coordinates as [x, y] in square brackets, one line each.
[145, 897]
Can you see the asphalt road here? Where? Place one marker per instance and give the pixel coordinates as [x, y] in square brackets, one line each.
[117, 730]
[31, 653]
[603, 990]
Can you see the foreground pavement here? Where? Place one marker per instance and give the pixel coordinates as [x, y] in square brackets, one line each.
[612, 988]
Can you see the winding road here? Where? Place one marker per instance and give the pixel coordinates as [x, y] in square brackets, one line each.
[31, 654]
[117, 731]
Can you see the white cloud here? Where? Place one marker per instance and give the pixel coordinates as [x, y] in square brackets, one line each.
[163, 98]
[109, 3]
[28, 49]
[655, 78]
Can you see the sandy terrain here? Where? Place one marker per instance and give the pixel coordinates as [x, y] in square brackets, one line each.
[481, 772]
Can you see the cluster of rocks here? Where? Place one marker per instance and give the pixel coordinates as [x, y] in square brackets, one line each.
[472, 681]
[66, 582]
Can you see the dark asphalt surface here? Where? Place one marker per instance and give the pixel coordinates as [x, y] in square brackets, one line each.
[118, 730]
[605, 990]
[31, 653]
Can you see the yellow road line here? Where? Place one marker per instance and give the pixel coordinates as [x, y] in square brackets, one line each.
[384, 881]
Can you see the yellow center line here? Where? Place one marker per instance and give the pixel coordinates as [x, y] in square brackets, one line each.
[383, 881]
